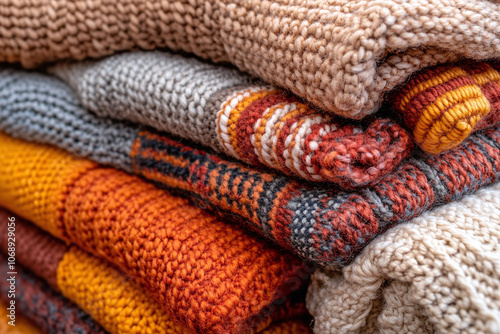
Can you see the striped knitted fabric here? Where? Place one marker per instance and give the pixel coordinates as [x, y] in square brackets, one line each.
[23, 324]
[341, 55]
[223, 109]
[440, 273]
[47, 309]
[443, 105]
[323, 224]
[87, 281]
[208, 275]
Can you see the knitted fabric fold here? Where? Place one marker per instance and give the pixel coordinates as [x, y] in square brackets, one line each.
[23, 325]
[210, 276]
[87, 281]
[47, 309]
[323, 224]
[341, 55]
[219, 107]
[439, 273]
[443, 105]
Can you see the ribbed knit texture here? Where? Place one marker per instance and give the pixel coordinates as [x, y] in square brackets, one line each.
[47, 309]
[112, 298]
[209, 275]
[439, 273]
[443, 105]
[319, 223]
[223, 109]
[341, 55]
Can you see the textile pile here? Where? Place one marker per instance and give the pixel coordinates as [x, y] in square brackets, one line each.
[250, 167]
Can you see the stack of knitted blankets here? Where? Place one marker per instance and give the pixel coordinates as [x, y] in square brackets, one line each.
[339, 175]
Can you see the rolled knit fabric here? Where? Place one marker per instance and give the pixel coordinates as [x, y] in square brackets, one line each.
[223, 109]
[439, 273]
[37, 301]
[23, 324]
[87, 281]
[443, 105]
[341, 55]
[323, 224]
[208, 275]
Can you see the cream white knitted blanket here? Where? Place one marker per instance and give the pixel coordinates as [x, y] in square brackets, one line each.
[437, 273]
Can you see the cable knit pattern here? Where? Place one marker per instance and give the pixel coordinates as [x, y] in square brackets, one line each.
[51, 312]
[207, 274]
[439, 273]
[443, 105]
[320, 223]
[223, 109]
[341, 55]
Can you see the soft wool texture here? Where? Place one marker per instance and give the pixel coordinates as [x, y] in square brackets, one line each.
[87, 281]
[320, 223]
[44, 307]
[341, 55]
[443, 105]
[223, 109]
[439, 273]
[210, 276]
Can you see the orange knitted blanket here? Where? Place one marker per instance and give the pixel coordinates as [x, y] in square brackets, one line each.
[207, 274]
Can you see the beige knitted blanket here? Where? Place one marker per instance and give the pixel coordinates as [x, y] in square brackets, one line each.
[438, 273]
[341, 55]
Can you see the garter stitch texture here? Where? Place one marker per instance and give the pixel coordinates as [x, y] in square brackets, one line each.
[223, 109]
[443, 105]
[320, 223]
[341, 55]
[47, 309]
[440, 273]
[208, 275]
[118, 303]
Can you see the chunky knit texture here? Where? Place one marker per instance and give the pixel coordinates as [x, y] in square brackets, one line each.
[443, 105]
[207, 274]
[223, 109]
[47, 309]
[439, 273]
[113, 299]
[319, 223]
[341, 55]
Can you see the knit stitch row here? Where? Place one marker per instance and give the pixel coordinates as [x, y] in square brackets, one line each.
[443, 105]
[439, 273]
[341, 55]
[47, 309]
[87, 281]
[227, 111]
[207, 274]
[323, 224]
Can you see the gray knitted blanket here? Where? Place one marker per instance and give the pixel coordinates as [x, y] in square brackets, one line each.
[221, 108]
